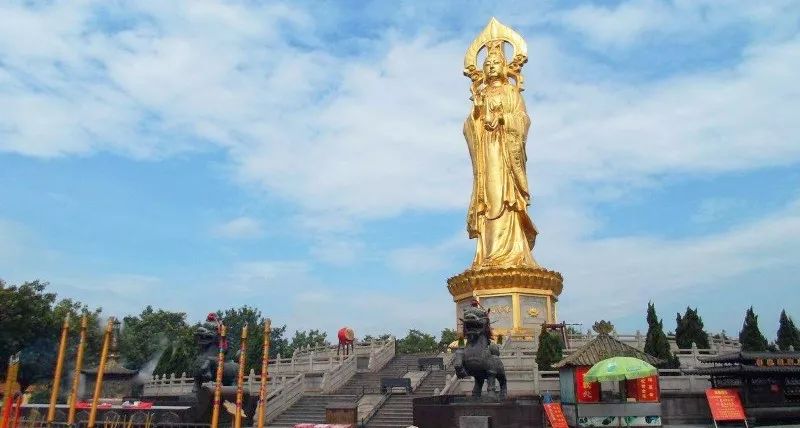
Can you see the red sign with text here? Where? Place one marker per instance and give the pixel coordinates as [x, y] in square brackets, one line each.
[555, 415]
[644, 389]
[725, 404]
[585, 392]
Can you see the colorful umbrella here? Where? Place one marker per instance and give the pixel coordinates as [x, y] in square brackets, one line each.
[619, 368]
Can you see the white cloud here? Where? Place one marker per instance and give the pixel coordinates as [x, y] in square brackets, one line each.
[385, 138]
[635, 23]
[423, 259]
[634, 269]
[239, 228]
[620, 25]
[338, 250]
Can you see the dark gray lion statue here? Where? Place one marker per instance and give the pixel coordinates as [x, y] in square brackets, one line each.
[480, 358]
[205, 365]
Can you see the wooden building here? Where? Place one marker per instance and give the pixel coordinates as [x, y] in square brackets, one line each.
[768, 382]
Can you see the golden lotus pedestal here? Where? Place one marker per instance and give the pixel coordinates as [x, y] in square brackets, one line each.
[520, 299]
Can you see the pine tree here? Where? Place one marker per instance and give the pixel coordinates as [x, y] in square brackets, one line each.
[549, 351]
[750, 337]
[788, 334]
[656, 343]
[163, 365]
[690, 330]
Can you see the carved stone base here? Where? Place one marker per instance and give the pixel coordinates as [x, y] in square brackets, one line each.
[521, 299]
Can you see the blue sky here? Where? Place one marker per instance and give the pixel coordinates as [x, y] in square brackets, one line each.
[306, 158]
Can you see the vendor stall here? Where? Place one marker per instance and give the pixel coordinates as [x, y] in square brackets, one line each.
[608, 383]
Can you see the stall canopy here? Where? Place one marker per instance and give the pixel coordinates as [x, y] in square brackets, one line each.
[620, 368]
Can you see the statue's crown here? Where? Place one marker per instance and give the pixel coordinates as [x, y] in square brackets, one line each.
[495, 47]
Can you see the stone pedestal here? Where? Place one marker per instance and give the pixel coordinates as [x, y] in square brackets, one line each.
[521, 299]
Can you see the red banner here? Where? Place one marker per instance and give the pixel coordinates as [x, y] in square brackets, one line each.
[555, 415]
[725, 404]
[644, 389]
[585, 392]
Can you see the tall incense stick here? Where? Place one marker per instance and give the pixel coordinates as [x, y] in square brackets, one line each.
[218, 381]
[262, 391]
[237, 418]
[62, 347]
[76, 377]
[98, 385]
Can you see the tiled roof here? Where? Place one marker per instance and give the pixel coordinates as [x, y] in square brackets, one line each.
[748, 357]
[601, 348]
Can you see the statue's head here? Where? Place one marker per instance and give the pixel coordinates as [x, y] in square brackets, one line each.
[494, 66]
[205, 337]
[475, 322]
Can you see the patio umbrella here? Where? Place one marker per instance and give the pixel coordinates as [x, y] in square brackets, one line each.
[619, 368]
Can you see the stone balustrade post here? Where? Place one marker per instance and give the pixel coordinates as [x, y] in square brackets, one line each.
[250, 378]
[311, 361]
[695, 354]
[639, 344]
[536, 378]
[183, 382]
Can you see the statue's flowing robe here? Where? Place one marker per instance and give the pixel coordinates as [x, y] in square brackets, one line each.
[498, 215]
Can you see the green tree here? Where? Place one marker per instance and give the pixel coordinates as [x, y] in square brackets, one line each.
[788, 334]
[164, 365]
[370, 338]
[308, 339]
[144, 336]
[448, 336]
[750, 336]
[549, 350]
[416, 342]
[234, 319]
[656, 343]
[30, 323]
[689, 330]
[278, 345]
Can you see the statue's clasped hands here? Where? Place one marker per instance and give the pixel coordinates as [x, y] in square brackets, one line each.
[492, 123]
[494, 117]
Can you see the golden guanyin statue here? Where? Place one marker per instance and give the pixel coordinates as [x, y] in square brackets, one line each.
[519, 295]
[496, 131]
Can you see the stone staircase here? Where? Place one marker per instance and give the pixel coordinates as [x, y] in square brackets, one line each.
[309, 409]
[397, 410]
[370, 383]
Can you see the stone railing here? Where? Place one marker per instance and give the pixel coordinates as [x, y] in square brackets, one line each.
[379, 356]
[359, 348]
[673, 380]
[336, 378]
[540, 382]
[716, 344]
[176, 385]
[518, 346]
[283, 397]
[305, 364]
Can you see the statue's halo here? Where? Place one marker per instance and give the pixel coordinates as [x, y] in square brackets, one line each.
[496, 31]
